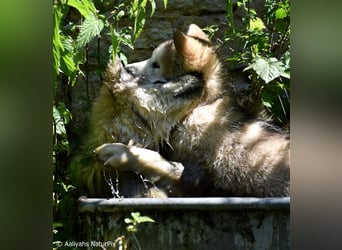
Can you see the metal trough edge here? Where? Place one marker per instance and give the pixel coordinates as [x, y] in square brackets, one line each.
[93, 205]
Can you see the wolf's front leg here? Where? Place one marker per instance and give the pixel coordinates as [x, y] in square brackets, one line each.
[140, 160]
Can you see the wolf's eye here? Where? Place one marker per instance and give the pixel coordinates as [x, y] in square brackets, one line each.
[155, 65]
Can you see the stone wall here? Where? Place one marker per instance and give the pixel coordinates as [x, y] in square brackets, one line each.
[202, 223]
[178, 14]
[195, 230]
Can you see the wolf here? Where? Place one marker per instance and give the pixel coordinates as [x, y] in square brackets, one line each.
[134, 112]
[171, 123]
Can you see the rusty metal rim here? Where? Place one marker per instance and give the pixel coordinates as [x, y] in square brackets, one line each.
[211, 203]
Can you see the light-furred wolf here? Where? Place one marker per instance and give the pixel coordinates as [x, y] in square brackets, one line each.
[169, 126]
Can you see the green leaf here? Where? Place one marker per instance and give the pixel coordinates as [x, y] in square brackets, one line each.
[286, 59]
[165, 4]
[57, 224]
[252, 11]
[61, 117]
[56, 40]
[267, 68]
[140, 219]
[153, 7]
[85, 7]
[139, 22]
[67, 187]
[123, 58]
[68, 43]
[131, 228]
[56, 56]
[143, 219]
[55, 114]
[280, 13]
[281, 85]
[90, 6]
[127, 40]
[68, 66]
[58, 122]
[63, 49]
[267, 104]
[115, 42]
[256, 24]
[90, 28]
[128, 220]
[135, 215]
[285, 75]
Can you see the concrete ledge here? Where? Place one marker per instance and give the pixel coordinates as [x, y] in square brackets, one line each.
[212, 203]
[189, 223]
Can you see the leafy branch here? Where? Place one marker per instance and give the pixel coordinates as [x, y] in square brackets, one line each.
[132, 228]
[265, 54]
[67, 59]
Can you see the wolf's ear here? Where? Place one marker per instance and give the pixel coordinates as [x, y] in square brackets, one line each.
[191, 47]
[195, 31]
[179, 39]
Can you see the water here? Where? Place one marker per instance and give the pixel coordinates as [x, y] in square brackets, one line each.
[148, 190]
[114, 189]
[143, 181]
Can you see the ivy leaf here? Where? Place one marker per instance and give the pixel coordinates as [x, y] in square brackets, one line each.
[268, 68]
[90, 28]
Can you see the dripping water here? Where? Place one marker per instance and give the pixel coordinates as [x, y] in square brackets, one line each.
[145, 181]
[114, 189]
[145, 184]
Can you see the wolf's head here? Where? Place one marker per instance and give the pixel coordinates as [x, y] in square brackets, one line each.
[165, 88]
[188, 53]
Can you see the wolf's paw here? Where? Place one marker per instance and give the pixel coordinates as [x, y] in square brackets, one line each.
[116, 155]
